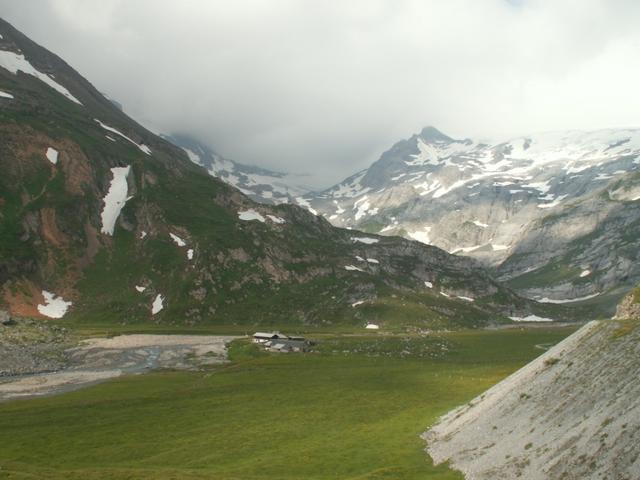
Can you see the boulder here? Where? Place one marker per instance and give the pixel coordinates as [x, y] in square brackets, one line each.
[5, 318]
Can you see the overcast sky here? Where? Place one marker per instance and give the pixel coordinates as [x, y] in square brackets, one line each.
[323, 87]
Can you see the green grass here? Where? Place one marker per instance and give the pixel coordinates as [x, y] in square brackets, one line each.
[354, 411]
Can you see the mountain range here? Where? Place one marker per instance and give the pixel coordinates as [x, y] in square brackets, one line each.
[103, 221]
[554, 215]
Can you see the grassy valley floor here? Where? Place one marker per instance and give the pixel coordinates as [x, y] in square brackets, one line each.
[352, 410]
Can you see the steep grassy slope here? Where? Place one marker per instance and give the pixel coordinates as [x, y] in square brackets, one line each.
[571, 413]
[352, 411]
[187, 242]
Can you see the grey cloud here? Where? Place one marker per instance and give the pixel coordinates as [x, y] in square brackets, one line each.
[324, 87]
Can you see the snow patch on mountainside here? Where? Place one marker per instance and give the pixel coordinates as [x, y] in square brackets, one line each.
[52, 155]
[421, 235]
[248, 215]
[177, 240]
[141, 146]
[365, 240]
[54, 306]
[15, 62]
[157, 305]
[115, 199]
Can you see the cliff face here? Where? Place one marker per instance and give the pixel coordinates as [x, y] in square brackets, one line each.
[573, 413]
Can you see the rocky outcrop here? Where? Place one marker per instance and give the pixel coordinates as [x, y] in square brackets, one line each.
[630, 306]
[573, 413]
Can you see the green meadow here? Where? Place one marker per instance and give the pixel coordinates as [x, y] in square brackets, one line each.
[353, 409]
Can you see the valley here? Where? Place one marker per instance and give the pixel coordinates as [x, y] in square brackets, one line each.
[352, 409]
[464, 308]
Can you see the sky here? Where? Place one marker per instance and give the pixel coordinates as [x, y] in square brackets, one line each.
[324, 87]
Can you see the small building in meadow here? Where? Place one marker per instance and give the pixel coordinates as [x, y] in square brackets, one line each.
[289, 346]
[264, 337]
[281, 343]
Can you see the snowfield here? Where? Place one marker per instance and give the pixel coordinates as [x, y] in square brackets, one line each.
[52, 155]
[15, 62]
[141, 146]
[115, 199]
[54, 306]
[158, 304]
[568, 300]
[251, 214]
[531, 318]
[353, 268]
[365, 240]
[177, 240]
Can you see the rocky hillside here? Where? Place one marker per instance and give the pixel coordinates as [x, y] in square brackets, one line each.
[572, 413]
[555, 215]
[259, 184]
[102, 221]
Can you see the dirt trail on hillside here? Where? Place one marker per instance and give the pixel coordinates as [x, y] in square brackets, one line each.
[99, 359]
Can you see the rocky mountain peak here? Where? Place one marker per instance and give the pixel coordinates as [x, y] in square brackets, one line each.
[431, 134]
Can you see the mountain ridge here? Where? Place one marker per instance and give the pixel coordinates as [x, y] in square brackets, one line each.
[103, 221]
[496, 203]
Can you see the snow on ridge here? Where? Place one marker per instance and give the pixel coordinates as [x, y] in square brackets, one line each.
[141, 146]
[361, 206]
[115, 199]
[373, 260]
[5, 95]
[421, 236]
[193, 156]
[531, 318]
[359, 302]
[465, 249]
[157, 305]
[15, 62]
[275, 219]
[140, 289]
[178, 241]
[365, 240]
[554, 203]
[353, 268]
[52, 155]
[568, 300]
[251, 214]
[54, 306]
[585, 273]
[303, 202]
